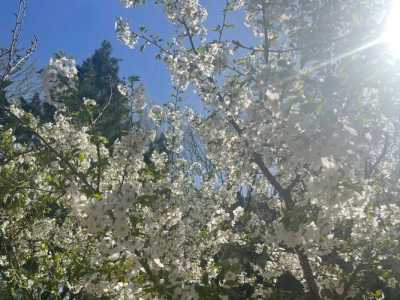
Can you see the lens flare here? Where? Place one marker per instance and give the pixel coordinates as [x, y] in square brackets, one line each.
[391, 35]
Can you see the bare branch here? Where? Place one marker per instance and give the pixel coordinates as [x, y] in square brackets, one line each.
[14, 61]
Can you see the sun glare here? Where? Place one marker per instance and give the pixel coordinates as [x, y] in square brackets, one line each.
[391, 35]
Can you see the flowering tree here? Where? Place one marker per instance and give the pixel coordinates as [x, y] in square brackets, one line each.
[295, 194]
[303, 140]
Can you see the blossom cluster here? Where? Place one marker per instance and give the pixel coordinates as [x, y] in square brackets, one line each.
[288, 186]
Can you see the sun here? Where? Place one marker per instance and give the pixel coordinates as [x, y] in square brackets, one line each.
[391, 35]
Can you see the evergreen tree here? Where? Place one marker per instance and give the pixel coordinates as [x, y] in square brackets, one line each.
[98, 80]
[34, 106]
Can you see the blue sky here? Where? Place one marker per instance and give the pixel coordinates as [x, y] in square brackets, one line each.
[79, 26]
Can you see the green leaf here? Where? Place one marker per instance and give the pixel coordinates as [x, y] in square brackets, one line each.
[98, 196]
[217, 28]
[82, 156]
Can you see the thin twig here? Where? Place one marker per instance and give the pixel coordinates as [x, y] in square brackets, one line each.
[221, 31]
[105, 106]
[370, 171]
[189, 35]
[13, 61]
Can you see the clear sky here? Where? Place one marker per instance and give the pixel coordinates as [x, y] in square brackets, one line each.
[79, 26]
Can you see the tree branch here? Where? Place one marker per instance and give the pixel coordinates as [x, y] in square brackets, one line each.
[266, 38]
[308, 274]
[189, 35]
[13, 61]
[225, 12]
[369, 171]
